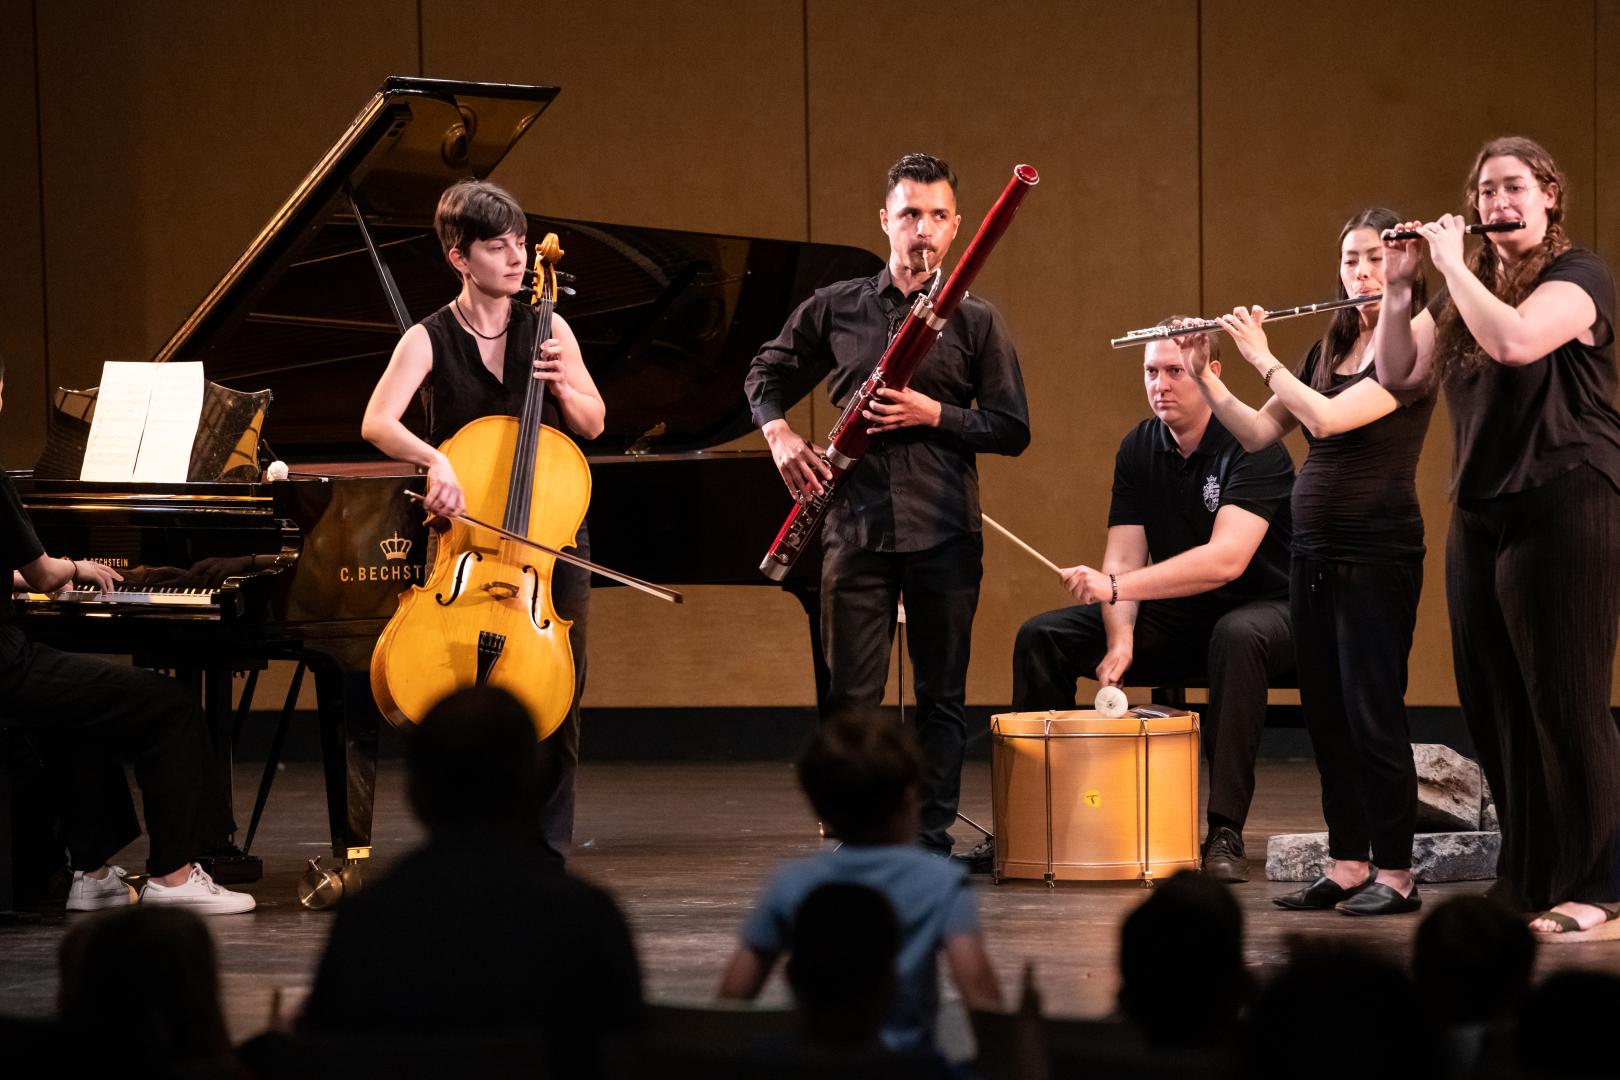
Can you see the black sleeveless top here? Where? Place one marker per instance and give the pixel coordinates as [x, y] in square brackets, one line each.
[1355, 499]
[460, 389]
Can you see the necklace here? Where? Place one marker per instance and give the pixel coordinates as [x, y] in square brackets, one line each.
[468, 323]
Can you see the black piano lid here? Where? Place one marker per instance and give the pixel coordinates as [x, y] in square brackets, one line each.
[667, 320]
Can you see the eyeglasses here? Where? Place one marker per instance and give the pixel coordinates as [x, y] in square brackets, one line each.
[1513, 191]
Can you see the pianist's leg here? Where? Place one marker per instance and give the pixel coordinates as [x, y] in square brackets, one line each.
[94, 706]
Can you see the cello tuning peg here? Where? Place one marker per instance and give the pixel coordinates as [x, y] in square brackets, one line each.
[566, 291]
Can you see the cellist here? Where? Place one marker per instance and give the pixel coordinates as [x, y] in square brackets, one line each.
[471, 359]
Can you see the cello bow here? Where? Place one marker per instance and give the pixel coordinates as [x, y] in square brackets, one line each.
[669, 595]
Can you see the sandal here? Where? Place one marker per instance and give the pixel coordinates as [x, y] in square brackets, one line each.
[1569, 931]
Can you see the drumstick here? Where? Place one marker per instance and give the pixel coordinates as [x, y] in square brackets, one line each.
[1004, 531]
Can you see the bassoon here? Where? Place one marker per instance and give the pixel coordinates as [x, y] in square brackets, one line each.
[849, 438]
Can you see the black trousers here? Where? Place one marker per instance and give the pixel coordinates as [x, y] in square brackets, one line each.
[1352, 634]
[940, 586]
[559, 753]
[1239, 651]
[1533, 584]
[92, 715]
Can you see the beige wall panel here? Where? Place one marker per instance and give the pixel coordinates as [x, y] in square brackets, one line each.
[678, 115]
[1102, 100]
[685, 116]
[22, 323]
[1297, 136]
[171, 134]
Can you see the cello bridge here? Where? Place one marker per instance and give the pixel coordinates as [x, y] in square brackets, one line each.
[501, 590]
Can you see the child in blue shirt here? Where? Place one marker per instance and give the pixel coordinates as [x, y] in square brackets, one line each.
[863, 779]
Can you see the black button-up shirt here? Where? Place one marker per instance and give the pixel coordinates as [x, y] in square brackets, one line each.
[19, 545]
[917, 487]
[1175, 499]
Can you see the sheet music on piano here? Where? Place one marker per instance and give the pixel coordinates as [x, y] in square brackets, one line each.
[145, 422]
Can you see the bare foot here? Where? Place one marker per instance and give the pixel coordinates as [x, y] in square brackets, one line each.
[1399, 880]
[1586, 917]
[1347, 874]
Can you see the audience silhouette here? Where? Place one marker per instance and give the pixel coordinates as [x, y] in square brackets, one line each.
[480, 930]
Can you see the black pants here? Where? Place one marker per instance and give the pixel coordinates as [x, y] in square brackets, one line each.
[559, 753]
[94, 714]
[1533, 584]
[1239, 651]
[1352, 634]
[940, 586]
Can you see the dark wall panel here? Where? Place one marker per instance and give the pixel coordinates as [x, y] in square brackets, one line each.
[22, 301]
[199, 120]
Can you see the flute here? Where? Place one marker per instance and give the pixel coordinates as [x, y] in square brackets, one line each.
[1471, 230]
[1205, 326]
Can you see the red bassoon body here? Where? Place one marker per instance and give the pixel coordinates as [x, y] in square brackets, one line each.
[848, 440]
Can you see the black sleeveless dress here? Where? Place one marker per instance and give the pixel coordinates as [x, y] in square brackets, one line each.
[460, 389]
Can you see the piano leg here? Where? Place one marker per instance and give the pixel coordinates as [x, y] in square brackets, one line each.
[350, 725]
[225, 862]
[808, 594]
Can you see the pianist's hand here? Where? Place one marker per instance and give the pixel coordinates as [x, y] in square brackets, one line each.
[94, 574]
[801, 465]
[444, 495]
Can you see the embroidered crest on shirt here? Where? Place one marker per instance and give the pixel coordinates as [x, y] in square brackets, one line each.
[1212, 493]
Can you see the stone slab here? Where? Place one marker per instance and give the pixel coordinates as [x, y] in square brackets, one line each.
[1438, 856]
[1450, 789]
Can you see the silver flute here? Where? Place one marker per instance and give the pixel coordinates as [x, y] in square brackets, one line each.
[1205, 326]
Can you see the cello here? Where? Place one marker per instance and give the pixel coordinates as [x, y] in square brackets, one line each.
[484, 616]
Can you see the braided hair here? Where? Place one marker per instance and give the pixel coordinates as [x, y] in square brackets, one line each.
[1456, 351]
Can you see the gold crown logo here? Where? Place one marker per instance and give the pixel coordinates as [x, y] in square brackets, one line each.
[394, 548]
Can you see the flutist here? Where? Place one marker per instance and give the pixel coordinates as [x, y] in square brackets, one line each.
[906, 524]
[1522, 343]
[1356, 573]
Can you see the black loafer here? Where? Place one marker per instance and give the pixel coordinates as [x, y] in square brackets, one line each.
[979, 859]
[1321, 894]
[1380, 899]
[1223, 858]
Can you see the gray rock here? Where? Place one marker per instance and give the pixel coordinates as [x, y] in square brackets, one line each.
[1439, 856]
[1488, 821]
[1296, 856]
[1449, 789]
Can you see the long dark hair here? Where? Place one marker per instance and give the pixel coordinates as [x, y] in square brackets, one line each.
[1345, 328]
[1456, 351]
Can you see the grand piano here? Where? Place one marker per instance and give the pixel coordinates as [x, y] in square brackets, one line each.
[228, 571]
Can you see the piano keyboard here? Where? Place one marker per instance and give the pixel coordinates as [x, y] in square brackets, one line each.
[160, 596]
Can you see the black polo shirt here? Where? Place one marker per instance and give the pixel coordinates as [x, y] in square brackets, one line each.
[19, 546]
[1176, 499]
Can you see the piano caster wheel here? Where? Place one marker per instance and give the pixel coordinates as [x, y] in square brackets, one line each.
[320, 888]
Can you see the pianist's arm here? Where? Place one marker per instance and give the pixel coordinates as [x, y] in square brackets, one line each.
[48, 575]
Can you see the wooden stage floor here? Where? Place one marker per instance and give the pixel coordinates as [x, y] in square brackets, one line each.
[686, 847]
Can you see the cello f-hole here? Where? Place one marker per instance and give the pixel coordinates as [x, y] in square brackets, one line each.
[460, 579]
[534, 598]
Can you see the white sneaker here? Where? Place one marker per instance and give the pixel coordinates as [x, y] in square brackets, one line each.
[199, 893]
[93, 894]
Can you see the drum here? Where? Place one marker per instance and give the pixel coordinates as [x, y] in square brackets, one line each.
[1078, 796]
